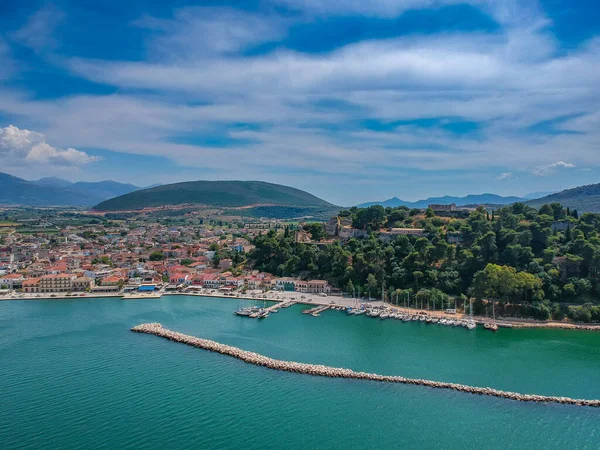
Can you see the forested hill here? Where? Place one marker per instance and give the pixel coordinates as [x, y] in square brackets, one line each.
[537, 263]
[582, 198]
[225, 194]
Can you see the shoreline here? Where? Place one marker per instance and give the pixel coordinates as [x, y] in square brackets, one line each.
[314, 299]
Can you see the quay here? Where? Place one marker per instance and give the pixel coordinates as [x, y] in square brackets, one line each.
[257, 359]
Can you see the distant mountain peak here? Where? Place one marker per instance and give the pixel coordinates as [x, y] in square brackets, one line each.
[470, 199]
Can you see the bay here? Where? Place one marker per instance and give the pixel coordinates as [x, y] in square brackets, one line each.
[73, 375]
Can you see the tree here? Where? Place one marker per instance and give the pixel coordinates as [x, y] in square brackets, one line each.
[157, 256]
[350, 288]
[371, 284]
[316, 230]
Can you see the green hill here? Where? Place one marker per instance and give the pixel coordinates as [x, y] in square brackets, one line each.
[582, 198]
[275, 198]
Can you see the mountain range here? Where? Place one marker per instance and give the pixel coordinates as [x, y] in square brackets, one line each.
[473, 199]
[52, 191]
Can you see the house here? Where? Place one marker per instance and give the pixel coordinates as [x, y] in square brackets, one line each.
[179, 278]
[301, 286]
[443, 208]
[212, 281]
[407, 231]
[225, 264]
[454, 237]
[285, 284]
[56, 283]
[81, 284]
[12, 281]
[31, 285]
[318, 287]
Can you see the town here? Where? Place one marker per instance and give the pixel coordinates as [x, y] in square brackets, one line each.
[117, 257]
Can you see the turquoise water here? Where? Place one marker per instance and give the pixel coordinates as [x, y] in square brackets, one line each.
[72, 375]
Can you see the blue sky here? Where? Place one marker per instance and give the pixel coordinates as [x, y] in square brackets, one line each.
[351, 100]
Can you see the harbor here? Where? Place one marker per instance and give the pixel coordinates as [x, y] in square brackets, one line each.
[64, 339]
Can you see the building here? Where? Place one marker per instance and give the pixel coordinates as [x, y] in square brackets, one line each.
[318, 287]
[408, 231]
[31, 285]
[285, 284]
[331, 227]
[56, 283]
[12, 281]
[301, 286]
[443, 208]
[454, 237]
[81, 284]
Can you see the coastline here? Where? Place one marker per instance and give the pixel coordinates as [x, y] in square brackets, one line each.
[313, 299]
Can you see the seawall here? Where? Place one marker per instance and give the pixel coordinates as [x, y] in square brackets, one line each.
[156, 329]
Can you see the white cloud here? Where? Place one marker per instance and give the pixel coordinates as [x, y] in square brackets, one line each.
[199, 81]
[38, 32]
[23, 147]
[504, 176]
[549, 169]
[204, 31]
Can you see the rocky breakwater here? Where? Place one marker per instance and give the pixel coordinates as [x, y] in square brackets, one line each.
[156, 329]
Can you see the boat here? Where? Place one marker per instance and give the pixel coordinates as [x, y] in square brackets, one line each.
[384, 315]
[415, 318]
[471, 325]
[374, 313]
[422, 318]
[243, 312]
[492, 326]
[434, 320]
[359, 312]
[428, 320]
[140, 295]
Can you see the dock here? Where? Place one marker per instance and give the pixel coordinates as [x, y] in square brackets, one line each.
[317, 310]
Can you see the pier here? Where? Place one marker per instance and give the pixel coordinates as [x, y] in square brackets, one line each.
[257, 359]
[317, 310]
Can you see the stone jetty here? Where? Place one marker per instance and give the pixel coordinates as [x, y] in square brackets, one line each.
[325, 371]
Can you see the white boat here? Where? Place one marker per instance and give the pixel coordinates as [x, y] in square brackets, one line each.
[140, 295]
[434, 320]
[359, 312]
[422, 318]
[471, 325]
[384, 315]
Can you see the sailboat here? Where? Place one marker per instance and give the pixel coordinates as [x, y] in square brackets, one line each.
[471, 325]
[492, 326]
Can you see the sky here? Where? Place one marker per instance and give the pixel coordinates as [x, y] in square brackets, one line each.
[351, 100]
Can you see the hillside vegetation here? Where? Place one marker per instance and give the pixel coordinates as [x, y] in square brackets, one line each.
[582, 198]
[222, 194]
[536, 263]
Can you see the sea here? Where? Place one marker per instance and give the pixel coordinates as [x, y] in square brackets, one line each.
[73, 376]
